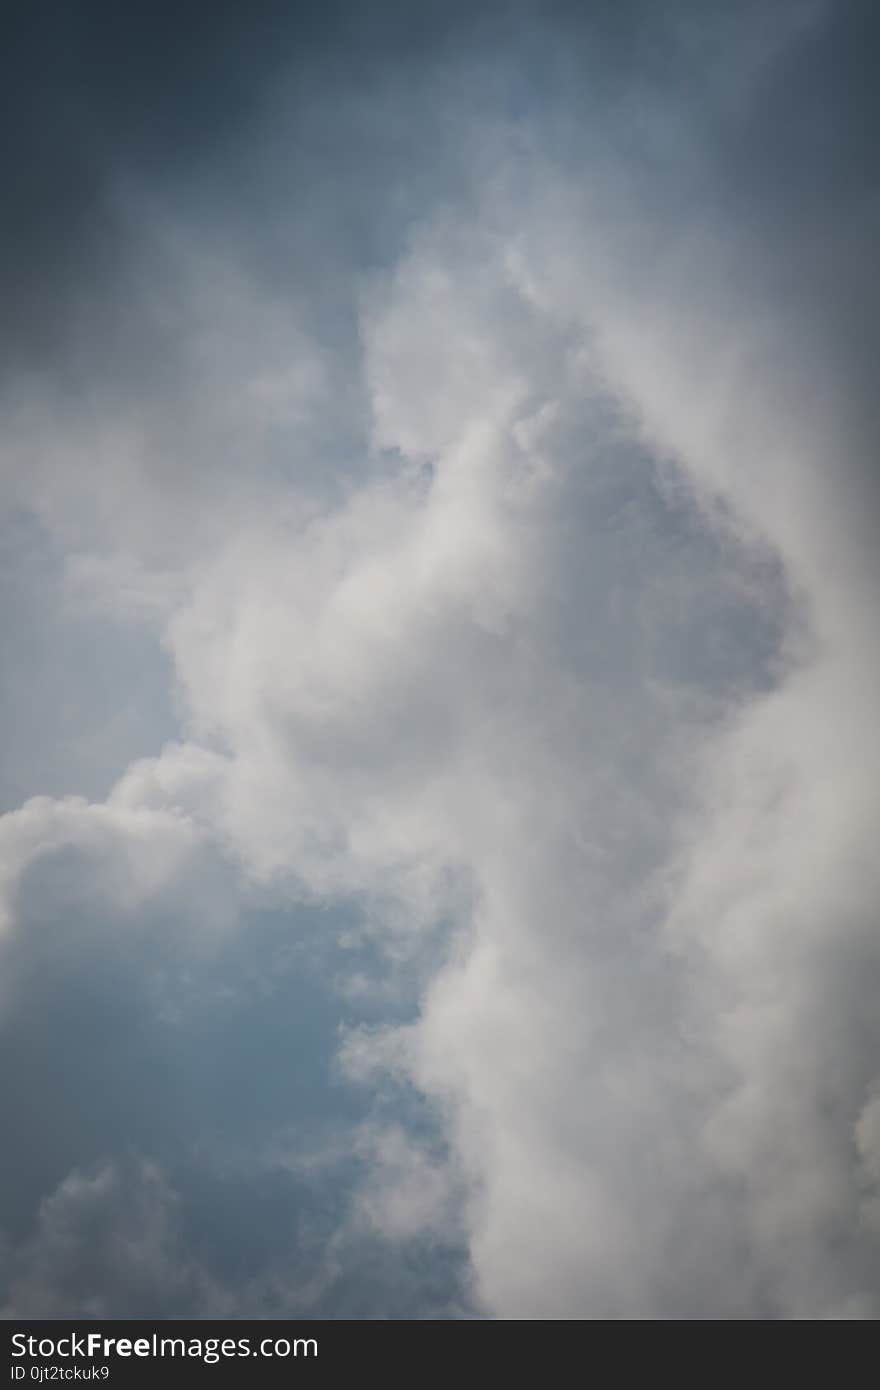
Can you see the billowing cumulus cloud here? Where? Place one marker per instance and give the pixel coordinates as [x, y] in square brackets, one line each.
[445, 884]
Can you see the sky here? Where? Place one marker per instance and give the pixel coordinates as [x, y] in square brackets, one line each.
[438, 661]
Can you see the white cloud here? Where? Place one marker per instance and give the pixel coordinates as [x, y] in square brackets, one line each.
[408, 1192]
[523, 675]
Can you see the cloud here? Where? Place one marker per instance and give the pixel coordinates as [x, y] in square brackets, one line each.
[106, 1246]
[514, 560]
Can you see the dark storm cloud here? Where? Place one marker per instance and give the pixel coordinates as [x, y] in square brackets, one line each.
[83, 87]
[93, 91]
[96, 93]
[797, 172]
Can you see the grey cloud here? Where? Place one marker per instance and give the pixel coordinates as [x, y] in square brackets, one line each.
[106, 1246]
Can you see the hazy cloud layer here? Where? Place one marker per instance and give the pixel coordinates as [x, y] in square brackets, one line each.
[440, 672]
